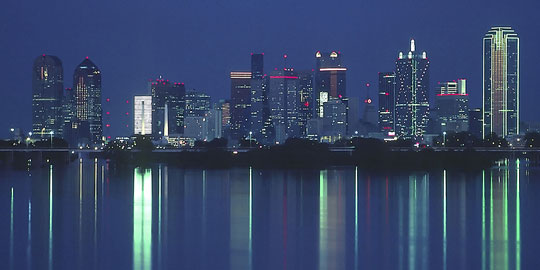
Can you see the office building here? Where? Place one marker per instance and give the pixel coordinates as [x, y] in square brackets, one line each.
[387, 90]
[476, 122]
[240, 107]
[87, 87]
[47, 87]
[284, 104]
[258, 95]
[501, 82]
[412, 94]
[305, 92]
[142, 115]
[334, 120]
[167, 97]
[197, 103]
[452, 106]
[330, 78]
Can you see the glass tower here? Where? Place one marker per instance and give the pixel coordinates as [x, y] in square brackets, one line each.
[47, 87]
[87, 87]
[501, 82]
[387, 90]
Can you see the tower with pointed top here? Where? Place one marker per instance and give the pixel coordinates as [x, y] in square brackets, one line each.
[87, 90]
[412, 94]
[501, 82]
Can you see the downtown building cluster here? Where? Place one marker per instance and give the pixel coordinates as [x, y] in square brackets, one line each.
[271, 106]
[405, 110]
[74, 114]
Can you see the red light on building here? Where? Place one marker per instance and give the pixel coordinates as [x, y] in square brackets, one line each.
[87, 57]
[284, 56]
[108, 99]
[108, 125]
[127, 113]
[108, 112]
[387, 94]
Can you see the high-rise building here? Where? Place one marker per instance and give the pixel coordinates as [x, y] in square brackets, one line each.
[240, 104]
[330, 78]
[475, 122]
[197, 104]
[47, 87]
[284, 103]
[412, 94]
[258, 89]
[142, 115]
[501, 82]
[452, 106]
[70, 128]
[335, 120]
[170, 95]
[87, 87]
[387, 91]
[305, 92]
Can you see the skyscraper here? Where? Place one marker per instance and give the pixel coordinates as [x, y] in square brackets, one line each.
[305, 92]
[240, 104]
[412, 99]
[452, 105]
[87, 87]
[330, 78]
[387, 91]
[258, 88]
[47, 87]
[171, 94]
[284, 103]
[501, 82]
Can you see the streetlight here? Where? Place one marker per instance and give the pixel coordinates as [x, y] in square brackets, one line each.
[52, 133]
[444, 138]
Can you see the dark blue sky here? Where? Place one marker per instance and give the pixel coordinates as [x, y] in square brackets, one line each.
[199, 42]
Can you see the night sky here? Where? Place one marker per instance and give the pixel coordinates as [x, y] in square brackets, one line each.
[200, 42]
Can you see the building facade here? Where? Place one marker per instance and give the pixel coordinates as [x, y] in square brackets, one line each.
[501, 82]
[47, 87]
[412, 94]
[142, 115]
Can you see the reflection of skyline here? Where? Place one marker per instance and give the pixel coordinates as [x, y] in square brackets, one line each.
[249, 218]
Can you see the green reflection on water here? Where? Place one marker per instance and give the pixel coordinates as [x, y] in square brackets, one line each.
[142, 219]
[323, 221]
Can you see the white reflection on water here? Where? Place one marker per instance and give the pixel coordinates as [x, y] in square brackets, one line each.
[50, 217]
[142, 219]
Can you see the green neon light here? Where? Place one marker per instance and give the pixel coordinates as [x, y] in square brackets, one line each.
[142, 219]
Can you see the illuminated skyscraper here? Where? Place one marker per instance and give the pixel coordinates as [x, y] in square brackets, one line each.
[412, 94]
[171, 94]
[501, 82]
[330, 78]
[240, 104]
[47, 87]
[387, 91]
[87, 87]
[142, 115]
[452, 105]
[284, 103]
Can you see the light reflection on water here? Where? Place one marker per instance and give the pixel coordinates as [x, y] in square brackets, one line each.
[89, 216]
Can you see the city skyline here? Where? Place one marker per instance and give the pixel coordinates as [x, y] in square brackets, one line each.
[127, 57]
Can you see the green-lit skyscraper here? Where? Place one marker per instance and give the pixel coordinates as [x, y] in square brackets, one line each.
[501, 82]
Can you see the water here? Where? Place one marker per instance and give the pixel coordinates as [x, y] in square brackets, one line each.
[90, 216]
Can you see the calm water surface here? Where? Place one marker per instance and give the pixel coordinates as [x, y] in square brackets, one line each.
[91, 216]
